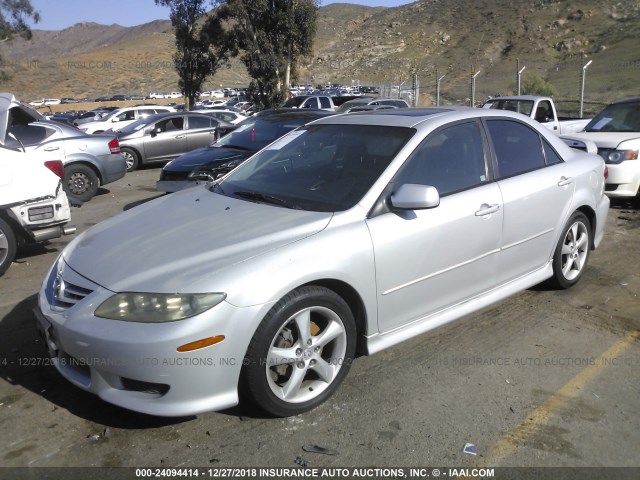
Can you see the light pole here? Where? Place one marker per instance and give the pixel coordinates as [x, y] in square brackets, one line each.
[520, 75]
[583, 74]
[473, 87]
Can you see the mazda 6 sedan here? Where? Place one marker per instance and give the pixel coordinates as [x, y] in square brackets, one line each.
[342, 238]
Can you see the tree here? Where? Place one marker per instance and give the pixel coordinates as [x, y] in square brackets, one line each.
[196, 55]
[270, 36]
[14, 15]
[534, 84]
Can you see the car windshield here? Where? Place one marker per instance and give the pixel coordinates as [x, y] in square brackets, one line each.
[135, 126]
[619, 117]
[294, 102]
[255, 133]
[324, 168]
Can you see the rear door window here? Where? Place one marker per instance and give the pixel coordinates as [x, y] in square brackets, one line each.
[518, 148]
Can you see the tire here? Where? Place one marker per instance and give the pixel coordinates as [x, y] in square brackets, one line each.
[290, 367]
[131, 157]
[8, 246]
[80, 182]
[572, 252]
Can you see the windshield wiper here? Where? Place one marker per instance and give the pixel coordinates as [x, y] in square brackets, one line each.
[262, 197]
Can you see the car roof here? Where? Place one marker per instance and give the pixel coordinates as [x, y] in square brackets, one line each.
[293, 113]
[413, 117]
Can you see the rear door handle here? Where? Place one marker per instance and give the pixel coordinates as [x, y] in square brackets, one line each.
[486, 209]
[565, 181]
[51, 149]
[179, 136]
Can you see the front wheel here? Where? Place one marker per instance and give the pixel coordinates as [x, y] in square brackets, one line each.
[131, 158]
[300, 353]
[572, 252]
[8, 246]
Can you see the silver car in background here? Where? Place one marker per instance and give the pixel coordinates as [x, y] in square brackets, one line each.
[89, 160]
[345, 237]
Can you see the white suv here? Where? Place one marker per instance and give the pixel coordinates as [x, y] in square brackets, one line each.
[122, 117]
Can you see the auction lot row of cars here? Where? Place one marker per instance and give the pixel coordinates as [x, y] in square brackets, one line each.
[343, 237]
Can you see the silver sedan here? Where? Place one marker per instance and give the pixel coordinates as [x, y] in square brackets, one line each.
[345, 237]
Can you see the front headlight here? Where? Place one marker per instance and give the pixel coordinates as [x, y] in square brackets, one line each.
[157, 307]
[619, 156]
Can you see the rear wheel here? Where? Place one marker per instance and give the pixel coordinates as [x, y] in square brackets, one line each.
[131, 158]
[301, 352]
[8, 246]
[81, 182]
[572, 252]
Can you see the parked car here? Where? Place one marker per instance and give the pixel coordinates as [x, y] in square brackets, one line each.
[230, 116]
[219, 158]
[33, 206]
[122, 117]
[164, 136]
[90, 116]
[356, 230]
[174, 95]
[616, 133]
[314, 102]
[359, 102]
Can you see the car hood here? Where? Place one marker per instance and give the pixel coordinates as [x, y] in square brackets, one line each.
[177, 242]
[605, 139]
[205, 156]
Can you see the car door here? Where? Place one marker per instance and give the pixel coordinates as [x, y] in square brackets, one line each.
[201, 131]
[537, 191]
[166, 139]
[428, 260]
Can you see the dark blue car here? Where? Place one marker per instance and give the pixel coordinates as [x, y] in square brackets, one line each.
[218, 159]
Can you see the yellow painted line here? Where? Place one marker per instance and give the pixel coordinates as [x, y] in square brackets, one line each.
[510, 441]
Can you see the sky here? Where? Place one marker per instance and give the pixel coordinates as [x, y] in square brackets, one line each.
[60, 14]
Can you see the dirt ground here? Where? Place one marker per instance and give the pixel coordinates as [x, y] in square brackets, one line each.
[545, 378]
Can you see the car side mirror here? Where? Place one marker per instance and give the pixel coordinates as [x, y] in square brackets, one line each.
[156, 131]
[415, 197]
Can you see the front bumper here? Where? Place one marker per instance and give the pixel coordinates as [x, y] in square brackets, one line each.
[136, 365]
[623, 179]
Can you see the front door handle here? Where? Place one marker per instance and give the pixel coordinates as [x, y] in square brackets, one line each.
[486, 209]
[565, 181]
[179, 136]
[51, 149]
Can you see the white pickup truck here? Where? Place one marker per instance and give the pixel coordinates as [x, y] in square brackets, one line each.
[541, 109]
[33, 205]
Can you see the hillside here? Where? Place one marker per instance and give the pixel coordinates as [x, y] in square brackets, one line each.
[370, 46]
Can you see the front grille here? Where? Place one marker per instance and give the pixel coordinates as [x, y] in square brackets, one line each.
[69, 288]
[610, 187]
[172, 176]
[40, 213]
